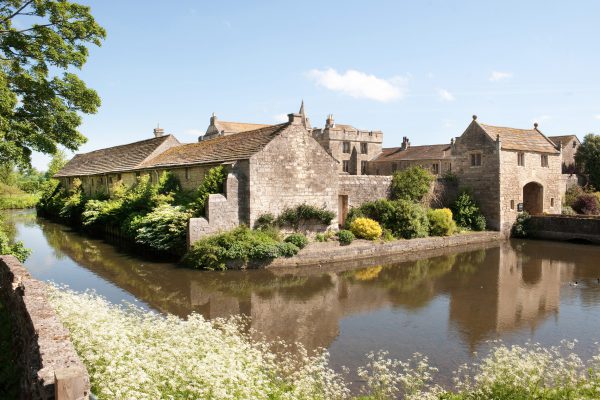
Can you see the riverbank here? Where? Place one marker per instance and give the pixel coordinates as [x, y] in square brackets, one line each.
[319, 253]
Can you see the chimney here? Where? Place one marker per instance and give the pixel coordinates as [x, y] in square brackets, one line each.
[405, 143]
[295, 119]
[213, 119]
[158, 132]
[329, 123]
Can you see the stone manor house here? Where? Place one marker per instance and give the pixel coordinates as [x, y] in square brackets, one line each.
[273, 167]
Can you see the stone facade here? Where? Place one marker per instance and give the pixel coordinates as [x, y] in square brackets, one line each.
[569, 145]
[47, 357]
[353, 148]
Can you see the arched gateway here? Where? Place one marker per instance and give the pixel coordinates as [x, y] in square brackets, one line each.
[533, 198]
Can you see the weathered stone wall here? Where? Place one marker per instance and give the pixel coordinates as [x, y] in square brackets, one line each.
[388, 167]
[567, 181]
[224, 211]
[292, 169]
[568, 151]
[483, 180]
[564, 227]
[361, 189]
[46, 354]
[514, 177]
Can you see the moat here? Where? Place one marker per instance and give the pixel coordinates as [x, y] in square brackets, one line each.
[445, 307]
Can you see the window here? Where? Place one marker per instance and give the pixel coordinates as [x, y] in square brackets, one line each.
[394, 167]
[363, 167]
[346, 166]
[364, 148]
[118, 177]
[544, 160]
[187, 174]
[552, 202]
[435, 168]
[521, 159]
[476, 159]
[346, 147]
[377, 171]
[110, 179]
[512, 204]
[574, 144]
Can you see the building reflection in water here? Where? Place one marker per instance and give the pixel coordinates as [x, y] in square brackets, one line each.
[492, 290]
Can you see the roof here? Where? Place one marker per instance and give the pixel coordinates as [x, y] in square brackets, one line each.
[427, 152]
[520, 139]
[564, 139]
[115, 159]
[235, 127]
[238, 146]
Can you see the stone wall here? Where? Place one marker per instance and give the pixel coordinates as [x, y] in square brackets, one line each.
[223, 211]
[51, 367]
[292, 169]
[361, 189]
[388, 167]
[483, 180]
[567, 181]
[564, 227]
[515, 177]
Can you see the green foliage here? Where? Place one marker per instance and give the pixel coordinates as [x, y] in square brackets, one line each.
[387, 235]
[587, 204]
[521, 225]
[264, 221]
[572, 194]
[467, 213]
[320, 237]
[40, 97]
[411, 184]
[567, 210]
[212, 184]
[58, 161]
[297, 239]
[366, 228]
[345, 237]
[304, 212]
[164, 228]
[441, 222]
[73, 205]
[403, 218]
[240, 244]
[7, 247]
[587, 158]
[23, 200]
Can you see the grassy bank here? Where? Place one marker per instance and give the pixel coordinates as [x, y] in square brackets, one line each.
[9, 374]
[131, 353]
[18, 201]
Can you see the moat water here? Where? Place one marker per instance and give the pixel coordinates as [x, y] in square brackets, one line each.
[446, 307]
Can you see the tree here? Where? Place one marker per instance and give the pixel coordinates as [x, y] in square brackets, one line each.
[411, 184]
[56, 163]
[587, 158]
[41, 41]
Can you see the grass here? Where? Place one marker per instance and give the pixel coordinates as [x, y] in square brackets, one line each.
[9, 374]
[21, 200]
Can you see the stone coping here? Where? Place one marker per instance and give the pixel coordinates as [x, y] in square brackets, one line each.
[327, 253]
[49, 363]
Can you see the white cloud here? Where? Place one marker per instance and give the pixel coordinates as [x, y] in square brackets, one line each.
[445, 95]
[498, 76]
[280, 118]
[360, 85]
[597, 116]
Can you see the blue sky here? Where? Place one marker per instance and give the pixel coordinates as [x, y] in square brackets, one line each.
[410, 68]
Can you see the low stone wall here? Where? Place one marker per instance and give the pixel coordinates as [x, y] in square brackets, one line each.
[564, 227]
[363, 188]
[222, 212]
[50, 365]
[332, 252]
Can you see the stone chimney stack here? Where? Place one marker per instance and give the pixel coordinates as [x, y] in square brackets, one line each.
[329, 123]
[295, 119]
[158, 132]
[213, 119]
[405, 143]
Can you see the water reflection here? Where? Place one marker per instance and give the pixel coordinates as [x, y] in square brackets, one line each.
[451, 303]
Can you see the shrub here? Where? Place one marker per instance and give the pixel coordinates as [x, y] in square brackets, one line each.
[264, 221]
[320, 237]
[411, 184]
[297, 239]
[212, 184]
[387, 235]
[16, 249]
[304, 212]
[572, 194]
[467, 213]
[520, 227]
[441, 222]
[23, 200]
[366, 228]
[165, 228]
[213, 252]
[381, 211]
[587, 204]
[345, 237]
[74, 204]
[566, 210]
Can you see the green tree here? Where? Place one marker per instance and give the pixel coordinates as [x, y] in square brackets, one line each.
[587, 158]
[411, 184]
[41, 42]
[59, 159]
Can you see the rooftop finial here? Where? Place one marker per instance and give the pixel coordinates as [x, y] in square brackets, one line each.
[301, 112]
[158, 131]
[535, 125]
[474, 117]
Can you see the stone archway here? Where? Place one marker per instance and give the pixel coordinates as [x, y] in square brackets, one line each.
[533, 198]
